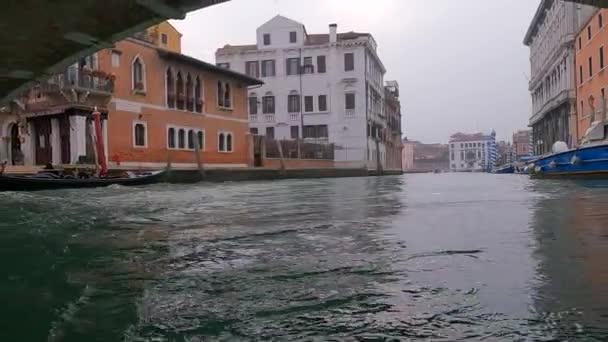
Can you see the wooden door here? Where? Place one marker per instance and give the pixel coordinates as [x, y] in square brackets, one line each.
[44, 152]
[64, 137]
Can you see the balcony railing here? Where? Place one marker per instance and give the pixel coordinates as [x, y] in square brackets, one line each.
[269, 117]
[350, 113]
[294, 116]
[81, 79]
[253, 118]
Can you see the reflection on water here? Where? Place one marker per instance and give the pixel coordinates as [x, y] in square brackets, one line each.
[442, 257]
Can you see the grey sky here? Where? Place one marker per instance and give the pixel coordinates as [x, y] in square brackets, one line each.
[461, 64]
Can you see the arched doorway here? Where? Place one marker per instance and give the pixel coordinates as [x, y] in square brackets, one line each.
[15, 145]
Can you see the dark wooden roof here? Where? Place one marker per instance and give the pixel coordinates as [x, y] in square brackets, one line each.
[42, 37]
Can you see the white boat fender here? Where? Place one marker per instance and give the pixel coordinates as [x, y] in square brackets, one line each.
[559, 147]
[553, 164]
[576, 160]
[538, 169]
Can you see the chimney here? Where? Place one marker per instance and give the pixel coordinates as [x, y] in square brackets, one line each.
[333, 33]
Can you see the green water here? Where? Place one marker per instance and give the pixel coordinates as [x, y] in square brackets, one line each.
[432, 257]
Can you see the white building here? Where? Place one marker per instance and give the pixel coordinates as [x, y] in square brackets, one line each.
[472, 152]
[551, 38]
[337, 97]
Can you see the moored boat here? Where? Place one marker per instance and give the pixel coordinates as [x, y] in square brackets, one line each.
[46, 181]
[585, 161]
[505, 169]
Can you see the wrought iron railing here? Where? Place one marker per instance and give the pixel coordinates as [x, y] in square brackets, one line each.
[79, 78]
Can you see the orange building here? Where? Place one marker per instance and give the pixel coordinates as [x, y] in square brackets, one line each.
[165, 103]
[591, 74]
[157, 105]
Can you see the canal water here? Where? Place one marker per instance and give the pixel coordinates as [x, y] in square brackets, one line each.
[433, 257]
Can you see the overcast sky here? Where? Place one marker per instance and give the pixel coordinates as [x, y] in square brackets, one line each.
[461, 64]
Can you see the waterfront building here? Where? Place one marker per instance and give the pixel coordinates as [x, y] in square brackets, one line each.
[392, 112]
[420, 157]
[322, 87]
[522, 144]
[473, 152]
[157, 104]
[592, 78]
[551, 38]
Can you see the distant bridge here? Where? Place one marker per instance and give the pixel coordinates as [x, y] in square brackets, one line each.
[41, 37]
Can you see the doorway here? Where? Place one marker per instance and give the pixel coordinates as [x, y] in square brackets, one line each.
[15, 145]
[44, 152]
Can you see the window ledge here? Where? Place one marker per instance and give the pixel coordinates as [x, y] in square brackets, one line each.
[139, 92]
[226, 109]
[140, 147]
[225, 152]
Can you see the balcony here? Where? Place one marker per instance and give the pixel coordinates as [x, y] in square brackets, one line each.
[269, 117]
[253, 118]
[294, 116]
[350, 113]
[75, 86]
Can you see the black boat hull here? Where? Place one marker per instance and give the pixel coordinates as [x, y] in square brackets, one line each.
[20, 183]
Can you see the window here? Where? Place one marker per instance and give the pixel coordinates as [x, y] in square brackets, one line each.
[350, 101]
[322, 103]
[224, 65]
[582, 108]
[590, 67]
[293, 66]
[580, 43]
[308, 68]
[268, 68]
[171, 137]
[589, 32]
[201, 140]
[315, 131]
[270, 132]
[224, 97]
[580, 73]
[293, 37]
[268, 104]
[602, 58]
[139, 135]
[252, 69]
[253, 130]
[181, 101]
[295, 132]
[308, 104]
[191, 139]
[603, 93]
[198, 95]
[170, 89]
[181, 138]
[321, 67]
[139, 78]
[253, 105]
[267, 39]
[452, 156]
[600, 20]
[293, 103]
[349, 61]
[115, 59]
[189, 94]
[164, 39]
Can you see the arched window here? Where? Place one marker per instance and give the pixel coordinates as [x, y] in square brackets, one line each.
[189, 94]
[191, 139]
[227, 96]
[170, 89]
[138, 75]
[220, 94]
[171, 138]
[181, 139]
[139, 135]
[228, 142]
[201, 140]
[198, 95]
[222, 142]
[181, 96]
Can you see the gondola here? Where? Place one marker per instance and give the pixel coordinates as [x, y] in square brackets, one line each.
[45, 181]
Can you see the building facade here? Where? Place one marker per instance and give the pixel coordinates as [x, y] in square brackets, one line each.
[321, 87]
[551, 38]
[522, 144]
[162, 106]
[592, 78]
[473, 152]
[419, 157]
[392, 112]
